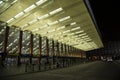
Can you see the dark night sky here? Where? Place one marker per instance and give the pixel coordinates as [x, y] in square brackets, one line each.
[107, 16]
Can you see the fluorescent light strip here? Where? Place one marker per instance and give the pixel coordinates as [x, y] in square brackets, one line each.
[53, 23]
[66, 31]
[33, 21]
[60, 28]
[19, 15]
[44, 26]
[51, 30]
[56, 11]
[24, 26]
[71, 34]
[65, 18]
[14, 1]
[30, 8]
[35, 30]
[75, 28]
[82, 34]
[79, 32]
[10, 20]
[40, 2]
[73, 23]
[43, 17]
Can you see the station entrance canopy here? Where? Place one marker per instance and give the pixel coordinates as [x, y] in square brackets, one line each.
[67, 21]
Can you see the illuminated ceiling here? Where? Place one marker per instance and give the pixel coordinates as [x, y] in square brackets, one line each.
[67, 21]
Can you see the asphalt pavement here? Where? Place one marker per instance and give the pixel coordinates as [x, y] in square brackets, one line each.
[97, 70]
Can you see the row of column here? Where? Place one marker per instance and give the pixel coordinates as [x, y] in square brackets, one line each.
[63, 51]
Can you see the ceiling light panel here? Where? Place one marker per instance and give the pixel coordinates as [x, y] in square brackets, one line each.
[30, 8]
[56, 11]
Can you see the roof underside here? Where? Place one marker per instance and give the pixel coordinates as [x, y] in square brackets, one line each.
[67, 21]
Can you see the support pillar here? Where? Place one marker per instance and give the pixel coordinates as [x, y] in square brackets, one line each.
[4, 49]
[31, 47]
[40, 51]
[19, 47]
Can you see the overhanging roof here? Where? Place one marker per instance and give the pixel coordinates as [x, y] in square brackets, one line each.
[67, 21]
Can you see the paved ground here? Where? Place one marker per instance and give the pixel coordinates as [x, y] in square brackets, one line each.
[90, 71]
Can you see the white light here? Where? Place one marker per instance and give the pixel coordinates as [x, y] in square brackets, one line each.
[44, 26]
[88, 39]
[65, 18]
[73, 23]
[75, 36]
[53, 23]
[71, 34]
[56, 11]
[14, 1]
[10, 20]
[60, 28]
[44, 33]
[35, 29]
[15, 40]
[79, 32]
[82, 34]
[75, 28]
[25, 25]
[30, 8]
[51, 30]
[43, 17]
[1, 2]
[66, 31]
[33, 21]
[19, 14]
[40, 2]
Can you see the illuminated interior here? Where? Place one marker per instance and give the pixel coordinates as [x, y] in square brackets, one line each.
[67, 21]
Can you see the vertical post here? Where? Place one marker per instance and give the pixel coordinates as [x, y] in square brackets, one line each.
[5, 45]
[58, 52]
[40, 50]
[19, 47]
[65, 50]
[31, 47]
[61, 49]
[47, 49]
[53, 54]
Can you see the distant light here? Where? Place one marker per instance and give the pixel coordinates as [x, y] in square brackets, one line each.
[55, 11]
[43, 17]
[14, 1]
[24, 25]
[30, 8]
[82, 34]
[44, 26]
[53, 23]
[10, 20]
[73, 23]
[71, 34]
[75, 28]
[40, 2]
[33, 21]
[66, 31]
[19, 15]
[51, 30]
[60, 28]
[65, 18]
[79, 32]
[35, 30]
